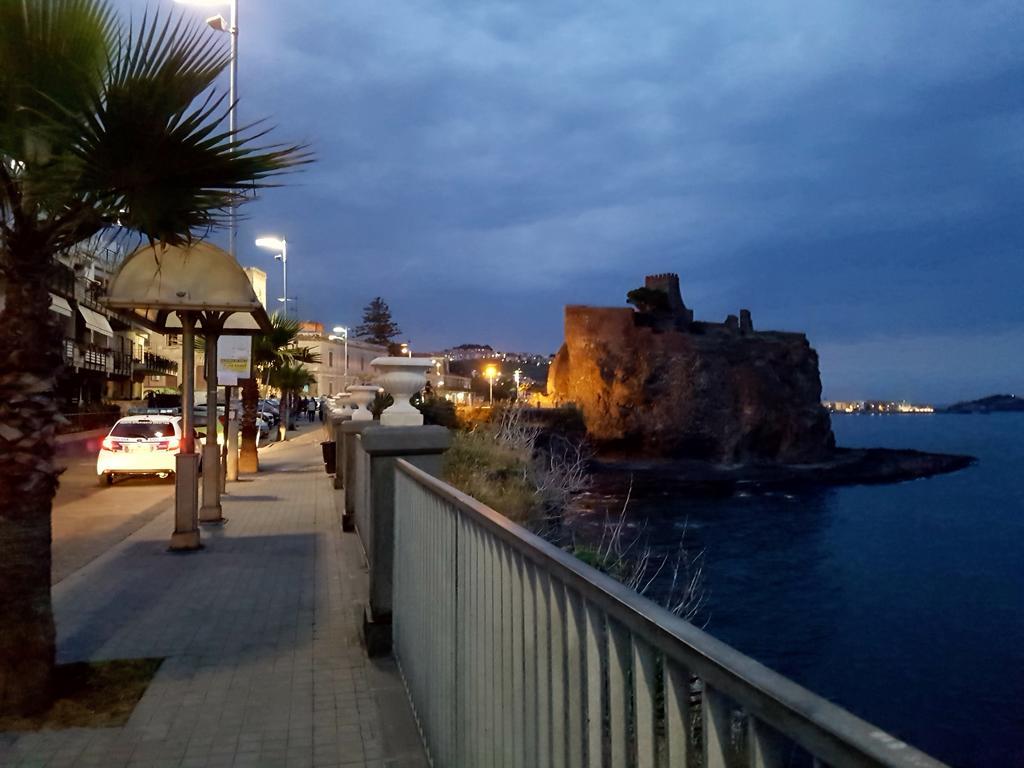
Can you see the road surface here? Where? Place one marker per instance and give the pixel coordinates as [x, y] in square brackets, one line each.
[88, 518]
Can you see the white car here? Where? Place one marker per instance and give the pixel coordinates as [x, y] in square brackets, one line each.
[140, 445]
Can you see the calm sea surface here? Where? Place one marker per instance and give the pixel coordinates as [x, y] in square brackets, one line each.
[903, 603]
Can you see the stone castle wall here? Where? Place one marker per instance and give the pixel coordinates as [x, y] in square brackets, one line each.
[711, 392]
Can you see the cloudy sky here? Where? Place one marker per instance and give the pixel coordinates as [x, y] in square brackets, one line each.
[850, 168]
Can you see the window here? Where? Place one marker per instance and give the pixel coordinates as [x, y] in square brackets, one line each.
[330, 359]
[142, 429]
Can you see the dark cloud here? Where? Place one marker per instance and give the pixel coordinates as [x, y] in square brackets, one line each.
[852, 169]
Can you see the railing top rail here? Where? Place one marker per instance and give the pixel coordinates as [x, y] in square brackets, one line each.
[827, 730]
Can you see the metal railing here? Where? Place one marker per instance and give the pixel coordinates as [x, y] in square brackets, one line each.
[515, 653]
[149, 362]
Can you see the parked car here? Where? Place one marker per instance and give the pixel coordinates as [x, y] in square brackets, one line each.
[268, 411]
[139, 445]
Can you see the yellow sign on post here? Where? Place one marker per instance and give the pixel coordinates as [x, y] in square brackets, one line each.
[234, 359]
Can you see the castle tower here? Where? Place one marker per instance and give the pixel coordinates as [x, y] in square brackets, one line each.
[668, 283]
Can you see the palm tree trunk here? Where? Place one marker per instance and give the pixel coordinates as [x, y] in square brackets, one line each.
[286, 416]
[30, 346]
[249, 460]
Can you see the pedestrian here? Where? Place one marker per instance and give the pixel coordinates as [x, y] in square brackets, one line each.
[321, 407]
[311, 409]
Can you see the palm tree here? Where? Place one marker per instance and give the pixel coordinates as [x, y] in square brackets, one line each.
[101, 126]
[270, 351]
[290, 378]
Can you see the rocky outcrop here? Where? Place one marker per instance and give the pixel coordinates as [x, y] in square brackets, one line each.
[667, 386]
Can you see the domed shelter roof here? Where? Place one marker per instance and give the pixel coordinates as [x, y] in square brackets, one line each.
[156, 282]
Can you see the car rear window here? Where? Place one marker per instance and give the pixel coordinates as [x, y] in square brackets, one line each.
[137, 429]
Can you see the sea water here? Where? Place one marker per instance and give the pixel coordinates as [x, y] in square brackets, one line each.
[903, 603]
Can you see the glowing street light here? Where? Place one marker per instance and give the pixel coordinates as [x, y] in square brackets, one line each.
[342, 331]
[490, 372]
[278, 244]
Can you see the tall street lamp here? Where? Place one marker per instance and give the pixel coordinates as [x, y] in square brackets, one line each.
[278, 244]
[490, 372]
[342, 331]
[217, 22]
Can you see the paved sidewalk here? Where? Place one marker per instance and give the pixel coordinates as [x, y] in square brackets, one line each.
[260, 633]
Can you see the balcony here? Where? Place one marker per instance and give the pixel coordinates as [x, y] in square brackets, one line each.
[122, 364]
[89, 357]
[154, 365]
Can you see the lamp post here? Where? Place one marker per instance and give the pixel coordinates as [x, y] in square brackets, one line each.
[342, 331]
[278, 244]
[490, 372]
[217, 23]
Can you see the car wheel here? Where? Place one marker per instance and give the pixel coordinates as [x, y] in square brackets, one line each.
[107, 478]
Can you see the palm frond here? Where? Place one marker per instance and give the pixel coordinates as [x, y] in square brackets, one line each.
[155, 149]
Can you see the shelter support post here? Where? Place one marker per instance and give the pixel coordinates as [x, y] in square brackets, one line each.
[211, 511]
[186, 464]
[232, 433]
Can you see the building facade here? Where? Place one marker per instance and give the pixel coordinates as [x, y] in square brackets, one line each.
[107, 357]
[341, 362]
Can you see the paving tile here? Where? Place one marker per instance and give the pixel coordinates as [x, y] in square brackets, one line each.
[259, 631]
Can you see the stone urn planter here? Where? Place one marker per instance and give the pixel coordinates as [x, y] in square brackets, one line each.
[361, 397]
[340, 407]
[402, 377]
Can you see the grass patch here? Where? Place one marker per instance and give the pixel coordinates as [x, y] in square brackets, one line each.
[91, 695]
[493, 473]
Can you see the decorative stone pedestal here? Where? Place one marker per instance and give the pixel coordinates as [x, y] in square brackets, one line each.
[361, 396]
[402, 377]
[375, 511]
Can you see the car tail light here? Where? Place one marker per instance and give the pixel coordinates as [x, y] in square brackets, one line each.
[170, 444]
[110, 445]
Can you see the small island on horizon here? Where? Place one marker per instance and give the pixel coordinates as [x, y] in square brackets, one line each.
[989, 404]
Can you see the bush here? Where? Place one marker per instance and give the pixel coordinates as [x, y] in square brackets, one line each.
[437, 410]
[494, 474]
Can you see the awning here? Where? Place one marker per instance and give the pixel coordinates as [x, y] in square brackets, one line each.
[94, 321]
[60, 305]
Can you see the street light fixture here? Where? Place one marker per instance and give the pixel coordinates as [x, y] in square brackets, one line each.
[343, 331]
[490, 372]
[278, 244]
[217, 22]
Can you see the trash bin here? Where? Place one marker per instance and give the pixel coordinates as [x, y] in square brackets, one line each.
[328, 448]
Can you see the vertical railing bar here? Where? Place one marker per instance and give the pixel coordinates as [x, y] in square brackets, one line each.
[543, 672]
[645, 709]
[451, 583]
[479, 708]
[497, 672]
[619, 660]
[531, 689]
[558, 683]
[764, 752]
[504, 691]
[677, 714]
[518, 669]
[575, 690]
[509, 715]
[595, 666]
[715, 728]
[486, 653]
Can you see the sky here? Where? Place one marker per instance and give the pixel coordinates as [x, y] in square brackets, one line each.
[852, 169]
